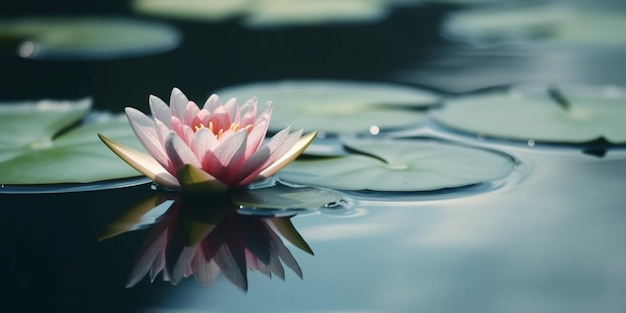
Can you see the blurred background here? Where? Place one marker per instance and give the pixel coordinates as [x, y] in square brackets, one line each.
[201, 46]
[118, 52]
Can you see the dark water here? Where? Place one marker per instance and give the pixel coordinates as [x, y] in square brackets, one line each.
[551, 239]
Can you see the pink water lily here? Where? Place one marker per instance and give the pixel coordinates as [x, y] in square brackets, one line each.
[210, 149]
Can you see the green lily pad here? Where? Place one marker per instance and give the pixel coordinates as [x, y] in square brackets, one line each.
[400, 165]
[338, 106]
[306, 12]
[88, 38]
[532, 114]
[45, 143]
[271, 13]
[564, 22]
[203, 10]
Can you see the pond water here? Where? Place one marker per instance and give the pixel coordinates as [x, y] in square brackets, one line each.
[549, 238]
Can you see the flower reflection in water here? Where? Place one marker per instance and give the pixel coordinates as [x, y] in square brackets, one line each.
[204, 237]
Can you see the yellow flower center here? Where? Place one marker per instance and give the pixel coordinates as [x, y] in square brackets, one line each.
[220, 132]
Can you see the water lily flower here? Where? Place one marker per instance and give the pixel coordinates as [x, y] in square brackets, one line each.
[210, 149]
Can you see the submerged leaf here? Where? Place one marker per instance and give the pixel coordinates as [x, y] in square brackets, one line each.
[285, 197]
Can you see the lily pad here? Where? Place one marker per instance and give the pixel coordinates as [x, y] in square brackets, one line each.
[338, 106]
[272, 13]
[45, 143]
[307, 12]
[548, 22]
[400, 165]
[203, 10]
[533, 114]
[88, 38]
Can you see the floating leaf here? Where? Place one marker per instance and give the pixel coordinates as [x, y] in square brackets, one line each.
[206, 10]
[307, 12]
[338, 106]
[565, 22]
[400, 165]
[88, 37]
[37, 147]
[271, 13]
[285, 197]
[533, 114]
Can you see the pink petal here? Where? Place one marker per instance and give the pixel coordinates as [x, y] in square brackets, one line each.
[178, 152]
[162, 131]
[265, 113]
[204, 140]
[160, 110]
[232, 108]
[255, 137]
[191, 110]
[249, 170]
[178, 103]
[289, 156]
[230, 151]
[188, 135]
[211, 164]
[286, 146]
[248, 112]
[177, 126]
[220, 120]
[252, 167]
[201, 118]
[278, 139]
[144, 128]
[212, 103]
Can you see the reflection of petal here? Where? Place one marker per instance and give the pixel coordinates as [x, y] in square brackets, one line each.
[204, 236]
[151, 251]
[130, 218]
[204, 272]
[181, 263]
[257, 244]
[279, 249]
[230, 258]
[286, 228]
